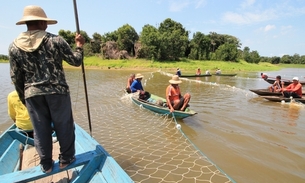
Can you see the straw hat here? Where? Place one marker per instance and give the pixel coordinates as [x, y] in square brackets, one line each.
[31, 13]
[139, 76]
[175, 80]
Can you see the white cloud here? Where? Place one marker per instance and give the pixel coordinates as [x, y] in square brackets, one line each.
[269, 27]
[177, 6]
[249, 18]
[247, 3]
[200, 3]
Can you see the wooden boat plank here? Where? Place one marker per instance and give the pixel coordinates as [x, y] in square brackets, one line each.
[286, 82]
[279, 99]
[266, 92]
[161, 109]
[194, 75]
[224, 74]
[91, 159]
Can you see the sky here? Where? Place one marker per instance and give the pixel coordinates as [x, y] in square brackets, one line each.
[270, 27]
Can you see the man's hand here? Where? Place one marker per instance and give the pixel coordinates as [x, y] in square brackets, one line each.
[79, 40]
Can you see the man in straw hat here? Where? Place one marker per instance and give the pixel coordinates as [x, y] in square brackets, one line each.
[37, 73]
[174, 99]
[293, 90]
[136, 86]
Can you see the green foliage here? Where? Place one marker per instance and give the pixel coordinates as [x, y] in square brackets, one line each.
[173, 40]
[3, 57]
[227, 52]
[127, 36]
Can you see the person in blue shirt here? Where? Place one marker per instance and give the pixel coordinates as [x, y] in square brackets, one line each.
[178, 72]
[136, 86]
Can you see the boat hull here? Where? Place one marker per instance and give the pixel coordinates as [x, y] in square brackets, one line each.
[280, 99]
[162, 109]
[92, 163]
[266, 92]
[286, 82]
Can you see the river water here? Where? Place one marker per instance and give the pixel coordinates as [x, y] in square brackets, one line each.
[249, 138]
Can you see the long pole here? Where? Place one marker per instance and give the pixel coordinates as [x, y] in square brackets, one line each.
[83, 69]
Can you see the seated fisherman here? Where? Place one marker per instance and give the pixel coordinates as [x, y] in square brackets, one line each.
[174, 99]
[129, 82]
[19, 113]
[277, 85]
[136, 86]
[293, 90]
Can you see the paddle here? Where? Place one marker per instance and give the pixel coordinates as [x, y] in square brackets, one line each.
[83, 69]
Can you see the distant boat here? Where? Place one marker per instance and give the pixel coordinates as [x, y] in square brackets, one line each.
[92, 164]
[224, 74]
[286, 82]
[161, 108]
[280, 99]
[194, 75]
[266, 92]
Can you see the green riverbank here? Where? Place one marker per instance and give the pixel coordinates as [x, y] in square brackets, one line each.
[187, 66]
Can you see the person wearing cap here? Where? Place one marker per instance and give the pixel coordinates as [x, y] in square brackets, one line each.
[277, 85]
[178, 73]
[198, 72]
[293, 90]
[174, 99]
[36, 69]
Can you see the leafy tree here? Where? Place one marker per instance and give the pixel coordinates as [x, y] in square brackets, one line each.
[275, 60]
[127, 36]
[174, 40]
[96, 43]
[227, 52]
[68, 36]
[254, 57]
[199, 47]
[110, 36]
[246, 54]
[150, 42]
[3, 57]
[286, 59]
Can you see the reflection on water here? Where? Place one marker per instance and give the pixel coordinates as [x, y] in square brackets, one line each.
[249, 138]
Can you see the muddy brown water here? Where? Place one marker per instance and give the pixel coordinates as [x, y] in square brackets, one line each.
[249, 138]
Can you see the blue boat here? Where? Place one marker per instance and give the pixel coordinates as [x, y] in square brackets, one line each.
[93, 163]
[157, 105]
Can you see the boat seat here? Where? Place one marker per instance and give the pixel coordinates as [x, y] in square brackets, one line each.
[9, 155]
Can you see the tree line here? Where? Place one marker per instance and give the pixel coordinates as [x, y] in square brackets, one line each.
[170, 41]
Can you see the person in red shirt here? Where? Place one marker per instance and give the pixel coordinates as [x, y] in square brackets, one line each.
[264, 76]
[293, 90]
[174, 99]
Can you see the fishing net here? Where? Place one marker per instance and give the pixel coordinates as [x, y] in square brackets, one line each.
[148, 146]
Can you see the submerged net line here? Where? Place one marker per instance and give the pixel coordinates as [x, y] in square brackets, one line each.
[148, 146]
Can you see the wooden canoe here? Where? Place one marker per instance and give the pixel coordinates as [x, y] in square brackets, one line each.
[224, 74]
[92, 164]
[151, 104]
[266, 92]
[194, 75]
[280, 99]
[286, 82]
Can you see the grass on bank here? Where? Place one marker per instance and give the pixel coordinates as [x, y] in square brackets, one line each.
[187, 66]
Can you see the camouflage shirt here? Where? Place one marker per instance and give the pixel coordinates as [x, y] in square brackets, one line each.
[36, 63]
